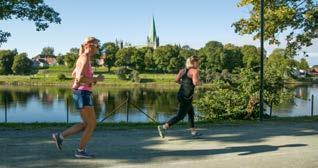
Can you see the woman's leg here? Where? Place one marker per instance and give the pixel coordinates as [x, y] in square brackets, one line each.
[88, 115]
[74, 129]
[180, 115]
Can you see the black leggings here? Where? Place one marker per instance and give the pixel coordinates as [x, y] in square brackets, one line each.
[185, 108]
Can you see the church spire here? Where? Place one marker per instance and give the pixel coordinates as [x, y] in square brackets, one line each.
[152, 39]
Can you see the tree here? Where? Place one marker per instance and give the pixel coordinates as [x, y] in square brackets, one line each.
[279, 62]
[213, 56]
[233, 57]
[298, 18]
[167, 58]
[110, 49]
[6, 61]
[60, 59]
[150, 61]
[303, 64]
[33, 10]
[71, 57]
[138, 59]
[123, 57]
[47, 51]
[22, 65]
[251, 57]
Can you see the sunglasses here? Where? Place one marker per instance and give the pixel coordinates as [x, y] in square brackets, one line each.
[92, 44]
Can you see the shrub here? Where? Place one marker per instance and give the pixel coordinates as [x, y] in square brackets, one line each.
[61, 77]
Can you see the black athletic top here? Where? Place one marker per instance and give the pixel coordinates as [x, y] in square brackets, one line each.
[187, 86]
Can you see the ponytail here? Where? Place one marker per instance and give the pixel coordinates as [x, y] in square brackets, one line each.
[81, 50]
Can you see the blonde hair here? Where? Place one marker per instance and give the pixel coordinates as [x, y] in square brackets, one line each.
[86, 41]
[190, 62]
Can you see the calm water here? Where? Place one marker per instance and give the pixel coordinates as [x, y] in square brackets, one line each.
[50, 104]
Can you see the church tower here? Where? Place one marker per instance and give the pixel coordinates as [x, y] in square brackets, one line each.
[153, 39]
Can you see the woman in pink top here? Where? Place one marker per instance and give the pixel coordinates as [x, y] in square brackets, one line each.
[82, 97]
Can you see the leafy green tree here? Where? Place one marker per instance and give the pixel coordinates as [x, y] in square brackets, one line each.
[22, 65]
[47, 51]
[71, 57]
[6, 61]
[110, 50]
[167, 58]
[233, 58]
[298, 18]
[279, 62]
[251, 57]
[60, 59]
[186, 52]
[213, 56]
[123, 57]
[150, 61]
[303, 64]
[33, 10]
[138, 59]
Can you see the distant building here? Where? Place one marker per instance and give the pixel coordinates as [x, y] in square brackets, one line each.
[44, 60]
[153, 38]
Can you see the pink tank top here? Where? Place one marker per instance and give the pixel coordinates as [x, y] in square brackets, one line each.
[87, 72]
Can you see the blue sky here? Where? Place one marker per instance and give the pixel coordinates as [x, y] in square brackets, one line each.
[185, 22]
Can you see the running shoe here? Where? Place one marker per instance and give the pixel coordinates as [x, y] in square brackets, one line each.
[57, 140]
[161, 131]
[83, 154]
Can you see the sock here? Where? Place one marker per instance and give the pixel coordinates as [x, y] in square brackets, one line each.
[61, 136]
[80, 150]
[164, 126]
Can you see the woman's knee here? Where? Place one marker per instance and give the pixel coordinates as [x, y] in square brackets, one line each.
[91, 125]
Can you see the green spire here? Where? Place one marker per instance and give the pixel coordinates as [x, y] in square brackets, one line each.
[152, 31]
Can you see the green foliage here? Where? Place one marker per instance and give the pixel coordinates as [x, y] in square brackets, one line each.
[251, 57]
[233, 57]
[60, 59]
[61, 77]
[167, 59]
[123, 73]
[123, 56]
[71, 57]
[110, 50]
[33, 10]
[303, 64]
[22, 65]
[212, 56]
[135, 76]
[47, 51]
[6, 61]
[236, 96]
[298, 18]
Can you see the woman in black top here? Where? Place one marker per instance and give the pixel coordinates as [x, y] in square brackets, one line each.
[188, 78]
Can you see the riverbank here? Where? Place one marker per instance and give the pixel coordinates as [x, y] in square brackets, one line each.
[124, 125]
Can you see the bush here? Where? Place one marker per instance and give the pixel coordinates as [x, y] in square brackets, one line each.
[123, 73]
[22, 65]
[134, 75]
[128, 74]
[61, 77]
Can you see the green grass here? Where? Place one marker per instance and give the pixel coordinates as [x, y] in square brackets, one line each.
[123, 125]
[49, 77]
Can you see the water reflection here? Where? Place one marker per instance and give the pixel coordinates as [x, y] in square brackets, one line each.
[50, 104]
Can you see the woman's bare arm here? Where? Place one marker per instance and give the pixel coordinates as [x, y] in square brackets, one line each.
[196, 77]
[178, 77]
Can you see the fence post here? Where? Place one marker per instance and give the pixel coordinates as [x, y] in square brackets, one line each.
[67, 111]
[5, 109]
[271, 109]
[312, 105]
[127, 106]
